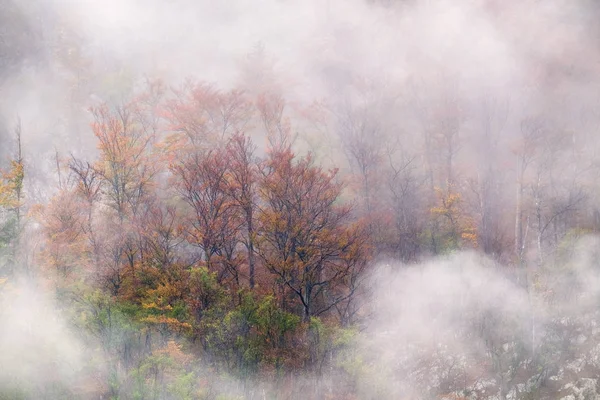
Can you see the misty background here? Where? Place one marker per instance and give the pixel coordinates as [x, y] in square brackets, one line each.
[466, 138]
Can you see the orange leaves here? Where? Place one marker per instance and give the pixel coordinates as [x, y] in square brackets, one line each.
[285, 210]
[120, 135]
[125, 162]
[63, 222]
[304, 236]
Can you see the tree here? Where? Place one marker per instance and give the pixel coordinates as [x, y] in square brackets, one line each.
[11, 196]
[124, 164]
[404, 185]
[88, 183]
[486, 187]
[531, 133]
[277, 126]
[440, 111]
[64, 223]
[203, 116]
[305, 238]
[214, 223]
[243, 170]
[362, 136]
[117, 189]
[456, 229]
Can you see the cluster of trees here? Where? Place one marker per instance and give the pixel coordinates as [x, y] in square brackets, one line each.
[204, 250]
[183, 230]
[184, 241]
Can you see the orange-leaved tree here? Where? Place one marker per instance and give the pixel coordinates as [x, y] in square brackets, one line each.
[125, 163]
[306, 239]
[122, 182]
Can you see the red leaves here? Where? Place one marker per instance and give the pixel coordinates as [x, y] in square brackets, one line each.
[305, 238]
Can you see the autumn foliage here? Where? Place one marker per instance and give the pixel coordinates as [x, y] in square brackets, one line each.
[202, 231]
[182, 226]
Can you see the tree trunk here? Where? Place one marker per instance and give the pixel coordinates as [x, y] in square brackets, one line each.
[251, 259]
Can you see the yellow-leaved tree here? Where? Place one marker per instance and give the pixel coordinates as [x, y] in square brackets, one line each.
[456, 228]
[11, 196]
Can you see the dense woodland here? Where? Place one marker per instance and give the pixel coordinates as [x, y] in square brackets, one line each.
[426, 237]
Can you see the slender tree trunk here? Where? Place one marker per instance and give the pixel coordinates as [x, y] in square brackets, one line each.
[251, 258]
[519, 239]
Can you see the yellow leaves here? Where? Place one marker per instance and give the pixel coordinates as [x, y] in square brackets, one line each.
[457, 227]
[11, 184]
[5, 195]
[449, 203]
[470, 237]
[171, 322]
[150, 305]
[161, 319]
[153, 305]
[16, 173]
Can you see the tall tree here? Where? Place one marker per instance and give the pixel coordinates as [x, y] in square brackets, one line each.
[203, 116]
[306, 239]
[11, 196]
[126, 172]
[124, 164]
[243, 175]
[214, 221]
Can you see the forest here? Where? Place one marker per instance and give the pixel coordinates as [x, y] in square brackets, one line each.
[330, 200]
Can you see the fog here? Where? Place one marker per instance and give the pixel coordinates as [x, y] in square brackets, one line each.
[464, 136]
[461, 325]
[38, 349]
[540, 54]
[431, 327]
